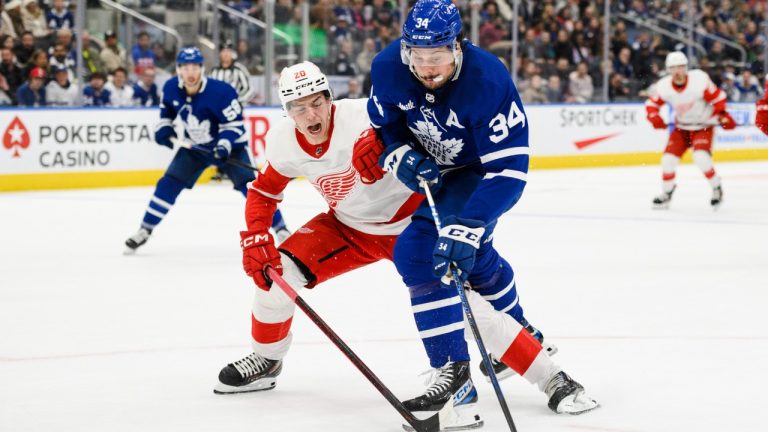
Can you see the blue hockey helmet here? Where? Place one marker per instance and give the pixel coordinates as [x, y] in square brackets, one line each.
[189, 55]
[431, 23]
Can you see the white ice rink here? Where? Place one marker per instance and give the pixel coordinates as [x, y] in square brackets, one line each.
[662, 315]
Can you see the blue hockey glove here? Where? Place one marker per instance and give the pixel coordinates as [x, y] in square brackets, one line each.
[164, 134]
[458, 243]
[222, 149]
[410, 166]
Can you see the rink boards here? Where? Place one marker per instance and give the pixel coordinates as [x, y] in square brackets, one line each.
[76, 148]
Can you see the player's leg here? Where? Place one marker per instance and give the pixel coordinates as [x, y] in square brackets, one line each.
[669, 160]
[523, 353]
[702, 157]
[240, 178]
[322, 249]
[182, 173]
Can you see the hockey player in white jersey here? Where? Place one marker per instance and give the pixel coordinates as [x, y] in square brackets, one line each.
[319, 140]
[699, 105]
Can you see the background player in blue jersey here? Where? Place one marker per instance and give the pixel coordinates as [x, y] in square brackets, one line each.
[213, 122]
[449, 113]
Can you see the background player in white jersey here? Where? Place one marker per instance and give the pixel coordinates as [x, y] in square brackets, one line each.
[319, 140]
[699, 106]
[213, 122]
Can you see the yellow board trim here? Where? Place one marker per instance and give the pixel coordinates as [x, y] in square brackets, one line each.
[108, 179]
[80, 180]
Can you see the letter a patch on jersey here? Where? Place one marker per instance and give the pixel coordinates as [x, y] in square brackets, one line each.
[453, 120]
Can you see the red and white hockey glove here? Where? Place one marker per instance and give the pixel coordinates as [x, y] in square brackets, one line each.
[259, 252]
[365, 156]
[726, 121]
[657, 121]
[761, 118]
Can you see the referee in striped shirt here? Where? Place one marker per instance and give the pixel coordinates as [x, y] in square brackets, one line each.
[234, 74]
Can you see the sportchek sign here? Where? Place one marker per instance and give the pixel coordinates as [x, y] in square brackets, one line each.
[42, 148]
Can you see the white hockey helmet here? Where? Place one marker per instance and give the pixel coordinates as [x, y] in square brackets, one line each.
[676, 58]
[300, 80]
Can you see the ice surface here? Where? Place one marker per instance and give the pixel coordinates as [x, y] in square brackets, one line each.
[660, 314]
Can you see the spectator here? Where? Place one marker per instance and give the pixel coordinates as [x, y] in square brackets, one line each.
[353, 90]
[554, 89]
[91, 59]
[6, 41]
[145, 91]
[5, 96]
[623, 64]
[25, 49]
[161, 56]
[112, 55]
[580, 86]
[234, 74]
[60, 91]
[365, 58]
[11, 70]
[94, 94]
[64, 36]
[252, 62]
[13, 24]
[749, 87]
[142, 54]
[283, 11]
[534, 93]
[728, 87]
[39, 59]
[59, 16]
[618, 87]
[34, 19]
[344, 63]
[120, 92]
[32, 92]
[563, 47]
[61, 59]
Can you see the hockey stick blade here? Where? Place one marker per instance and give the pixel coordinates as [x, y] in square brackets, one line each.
[182, 143]
[431, 424]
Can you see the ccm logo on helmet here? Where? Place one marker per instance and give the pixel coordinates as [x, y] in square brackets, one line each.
[254, 239]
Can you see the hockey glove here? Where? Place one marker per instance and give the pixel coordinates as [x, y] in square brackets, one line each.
[365, 156]
[726, 121]
[259, 252]
[222, 150]
[458, 243]
[657, 121]
[761, 118]
[164, 134]
[410, 166]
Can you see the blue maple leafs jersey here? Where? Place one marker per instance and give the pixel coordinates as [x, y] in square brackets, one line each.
[475, 118]
[214, 113]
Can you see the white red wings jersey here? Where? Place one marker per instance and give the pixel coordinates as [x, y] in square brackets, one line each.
[694, 105]
[381, 208]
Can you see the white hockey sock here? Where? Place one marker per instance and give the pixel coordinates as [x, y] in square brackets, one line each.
[668, 167]
[703, 160]
[273, 313]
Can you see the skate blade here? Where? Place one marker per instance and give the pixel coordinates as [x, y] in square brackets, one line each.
[129, 251]
[261, 385]
[664, 206]
[577, 405]
[464, 418]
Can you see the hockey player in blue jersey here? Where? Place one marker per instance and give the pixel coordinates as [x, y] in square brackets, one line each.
[213, 123]
[449, 113]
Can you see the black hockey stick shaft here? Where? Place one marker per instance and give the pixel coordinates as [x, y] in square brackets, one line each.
[431, 424]
[234, 162]
[471, 319]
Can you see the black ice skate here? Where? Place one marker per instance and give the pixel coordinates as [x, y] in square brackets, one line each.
[568, 396]
[717, 197]
[137, 240]
[502, 370]
[451, 383]
[661, 202]
[252, 373]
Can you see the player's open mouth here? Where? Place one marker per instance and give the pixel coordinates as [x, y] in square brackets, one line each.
[315, 128]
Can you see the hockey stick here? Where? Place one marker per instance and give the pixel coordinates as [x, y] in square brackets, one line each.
[179, 142]
[431, 424]
[471, 318]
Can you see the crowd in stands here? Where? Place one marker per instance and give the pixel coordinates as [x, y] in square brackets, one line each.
[559, 51]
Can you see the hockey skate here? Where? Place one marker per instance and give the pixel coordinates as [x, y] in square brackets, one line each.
[250, 374]
[567, 396]
[137, 240]
[661, 202]
[451, 383]
[717, 197]
[502, 370]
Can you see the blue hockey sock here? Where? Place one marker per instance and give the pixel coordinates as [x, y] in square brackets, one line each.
[277, 221]
[166, 191]
[440, 320]
[501, 291]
